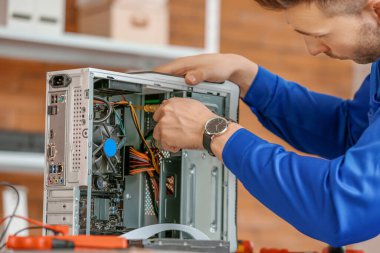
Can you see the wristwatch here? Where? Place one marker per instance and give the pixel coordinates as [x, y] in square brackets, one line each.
[213, 127]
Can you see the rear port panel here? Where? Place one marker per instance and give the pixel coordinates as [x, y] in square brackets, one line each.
[56, 139]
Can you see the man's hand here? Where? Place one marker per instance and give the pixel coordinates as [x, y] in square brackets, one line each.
[180, 124]
[214, 68]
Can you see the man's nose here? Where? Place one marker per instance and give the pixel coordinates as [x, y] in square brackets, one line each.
[315, 46]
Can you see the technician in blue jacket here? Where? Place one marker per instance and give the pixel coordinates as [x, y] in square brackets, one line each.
[335, 198]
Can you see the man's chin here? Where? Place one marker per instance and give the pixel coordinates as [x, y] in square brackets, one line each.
[358, 60]
[365, 60]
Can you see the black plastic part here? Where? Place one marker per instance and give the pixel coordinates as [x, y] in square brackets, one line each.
[62, 244]
[126, 159]
[336, 250]
[59, 81]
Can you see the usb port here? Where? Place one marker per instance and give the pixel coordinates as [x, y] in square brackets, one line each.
[53, 99]
[52, 110]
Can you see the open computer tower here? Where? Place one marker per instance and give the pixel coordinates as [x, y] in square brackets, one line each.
[104, 173]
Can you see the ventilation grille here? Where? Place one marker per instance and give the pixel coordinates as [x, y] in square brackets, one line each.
[148, 204]
[77, 130]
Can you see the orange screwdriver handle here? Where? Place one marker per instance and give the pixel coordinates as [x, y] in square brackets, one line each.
[54, 242]
[29, 242]
[97, 242]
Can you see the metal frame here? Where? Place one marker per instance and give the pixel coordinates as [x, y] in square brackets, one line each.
[213, 181]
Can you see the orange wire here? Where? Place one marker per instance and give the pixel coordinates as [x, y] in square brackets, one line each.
[35, 222]
[137, 171]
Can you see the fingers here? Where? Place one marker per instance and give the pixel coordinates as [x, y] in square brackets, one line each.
[194, 77]
[160, 111]
[177, 67]
[173, 149]
[189, 67]
[156, 132]
[165, 146]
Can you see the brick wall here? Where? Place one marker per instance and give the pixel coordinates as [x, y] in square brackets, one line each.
[260, 35]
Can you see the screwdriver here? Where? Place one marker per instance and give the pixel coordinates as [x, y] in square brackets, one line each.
[69, 242]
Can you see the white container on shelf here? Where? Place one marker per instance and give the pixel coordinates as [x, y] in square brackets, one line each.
[142, 21]
[40, 16]
[50, 15]
[18, 14]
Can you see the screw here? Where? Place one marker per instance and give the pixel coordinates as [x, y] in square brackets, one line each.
[192, 169]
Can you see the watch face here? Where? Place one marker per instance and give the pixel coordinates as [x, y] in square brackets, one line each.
[216, 126]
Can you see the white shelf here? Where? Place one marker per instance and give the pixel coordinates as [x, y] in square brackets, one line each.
[88, 51]
[21, 162]
[91, 51]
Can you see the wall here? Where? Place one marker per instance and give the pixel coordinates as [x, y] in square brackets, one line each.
[260, 35]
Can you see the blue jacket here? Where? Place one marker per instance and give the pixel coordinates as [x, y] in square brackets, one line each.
[335, 198]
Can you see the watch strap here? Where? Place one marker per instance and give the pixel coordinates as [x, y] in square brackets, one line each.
[207, 143]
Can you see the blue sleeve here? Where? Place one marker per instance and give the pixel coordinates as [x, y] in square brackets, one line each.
[311, 122]
[336, 201]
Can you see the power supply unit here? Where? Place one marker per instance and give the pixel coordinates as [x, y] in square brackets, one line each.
[104, 172]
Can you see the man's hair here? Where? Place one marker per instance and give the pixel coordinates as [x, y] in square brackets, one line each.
[330, 7]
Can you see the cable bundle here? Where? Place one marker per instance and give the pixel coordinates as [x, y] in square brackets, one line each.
[139, 162]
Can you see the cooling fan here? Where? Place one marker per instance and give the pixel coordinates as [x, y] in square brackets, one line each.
[106, 145]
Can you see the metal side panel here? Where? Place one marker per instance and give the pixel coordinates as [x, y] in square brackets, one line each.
[170, 191]
[230, 209]
[134, 201]
[202, 191]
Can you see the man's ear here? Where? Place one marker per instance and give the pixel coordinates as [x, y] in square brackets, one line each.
[375, 6]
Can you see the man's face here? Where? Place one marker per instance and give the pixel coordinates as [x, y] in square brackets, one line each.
[354, 37]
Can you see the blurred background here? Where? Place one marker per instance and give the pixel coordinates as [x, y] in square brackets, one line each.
[37, 36]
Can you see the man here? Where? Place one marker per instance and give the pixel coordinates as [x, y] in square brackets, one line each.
[336, 198]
